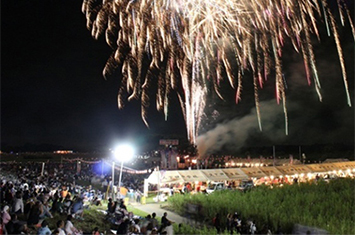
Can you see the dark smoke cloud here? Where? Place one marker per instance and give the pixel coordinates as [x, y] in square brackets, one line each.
[311, 121]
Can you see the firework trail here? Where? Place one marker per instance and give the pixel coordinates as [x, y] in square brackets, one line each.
[187, 45]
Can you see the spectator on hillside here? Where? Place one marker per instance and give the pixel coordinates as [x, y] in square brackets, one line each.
[57, 205]
[44, 230]
[134, 227]
[29, 204]
[18, 207]
[77, 209]
[95, 231]
[14, 226]
[67, 204]
[26, 193]
[45, 211]
[123, 227]
[110, 206]
[60, 227]
[69, 227]
[166, 224]
[154, 221]
[2, 227]
[145, 222]
[96, 201]
[64, 193]
[35, 212]
[9, 196]
[5, 215]
[122, 205]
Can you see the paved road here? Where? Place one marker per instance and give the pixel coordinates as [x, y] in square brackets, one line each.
[155, 207]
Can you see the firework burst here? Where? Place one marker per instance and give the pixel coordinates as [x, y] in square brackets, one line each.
[185, 46]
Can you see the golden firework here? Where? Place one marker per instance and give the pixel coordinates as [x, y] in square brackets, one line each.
[185, 46]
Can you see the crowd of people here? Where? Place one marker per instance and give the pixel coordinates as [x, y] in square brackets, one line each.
[31, 195]
[127, 223]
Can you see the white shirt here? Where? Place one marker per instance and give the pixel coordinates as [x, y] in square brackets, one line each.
[69, 227]
[18, 204]
[61, 231]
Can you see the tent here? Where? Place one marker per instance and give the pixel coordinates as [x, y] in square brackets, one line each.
[271, 171]
[322, 168]
[254, 172]
[180, 176]
[234, 173]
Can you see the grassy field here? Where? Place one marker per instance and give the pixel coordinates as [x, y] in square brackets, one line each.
[328, 206]
[93, 217]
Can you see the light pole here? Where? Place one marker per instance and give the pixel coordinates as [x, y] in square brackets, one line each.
[113, 180]
[123, 153]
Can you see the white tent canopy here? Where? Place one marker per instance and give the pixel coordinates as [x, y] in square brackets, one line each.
[179, 176]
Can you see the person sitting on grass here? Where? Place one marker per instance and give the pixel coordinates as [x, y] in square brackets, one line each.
[60, 227]
[2, 227]
[14, 224]
[67, 203]
[110, 206]
[35, 212]
[45, 211]
[18, 206]
[95, 231]
[44, 230]
[165, 226]
[154, 220]
[5, 215]
[69, 227]
[77, 209]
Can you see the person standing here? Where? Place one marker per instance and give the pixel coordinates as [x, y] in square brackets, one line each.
[18, 206]
[252, 228]
[229, 223]
[217, 223]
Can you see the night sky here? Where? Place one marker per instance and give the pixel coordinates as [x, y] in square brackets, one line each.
[53, 92]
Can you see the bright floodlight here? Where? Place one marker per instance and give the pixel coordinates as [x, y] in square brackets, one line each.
[123, 152]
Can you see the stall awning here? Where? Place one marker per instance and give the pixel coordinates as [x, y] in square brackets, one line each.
[215, 175]
[234, 173]
[255, 172]
[302, 169]
[190, 175]
[322, 168]
[171, 177]
[290, 170]
[344, 166]
[271, 171]
[178, 176]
